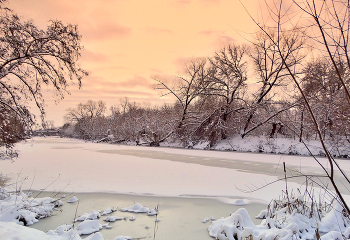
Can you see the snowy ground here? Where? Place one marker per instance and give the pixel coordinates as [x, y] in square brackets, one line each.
[56, 164]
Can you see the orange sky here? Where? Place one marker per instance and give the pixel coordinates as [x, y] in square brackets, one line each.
[128, 41]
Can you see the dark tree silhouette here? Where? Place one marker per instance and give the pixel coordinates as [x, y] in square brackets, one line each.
[29, 59]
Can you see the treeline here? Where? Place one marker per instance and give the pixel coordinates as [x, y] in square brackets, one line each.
[240, 90]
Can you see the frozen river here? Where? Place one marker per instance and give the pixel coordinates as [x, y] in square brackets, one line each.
[188, 184]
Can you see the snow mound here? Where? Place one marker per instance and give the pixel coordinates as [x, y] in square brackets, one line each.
[11, 230]
[112, 219]
[25, 210]
[88, 216]
[72, 199]
[152, 212]
[289, 218]
[108, 211]
[239, 202]
[123, 238]
[95, 236]
[88, 227]
[136, 208]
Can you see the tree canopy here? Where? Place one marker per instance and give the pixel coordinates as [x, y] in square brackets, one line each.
[31, 58]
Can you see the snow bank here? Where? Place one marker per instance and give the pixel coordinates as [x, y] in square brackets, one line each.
[11, 230]
[279, 145]
[25, 210]
[18, 210]
[284, 219]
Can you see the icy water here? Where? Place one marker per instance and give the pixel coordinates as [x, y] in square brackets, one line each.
[188, 185]
[180, 217]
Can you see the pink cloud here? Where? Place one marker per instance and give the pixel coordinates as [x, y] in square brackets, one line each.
[212, 32]
[153, 30]
[90, 56]
[105, 31]
[220, 38]
[136, 81]
[211, 1]
[223, 40]
[180, 62]
[183, 2]
[156, 70]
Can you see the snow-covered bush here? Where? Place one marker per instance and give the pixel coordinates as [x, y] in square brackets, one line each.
[25, 210]
[291, 217]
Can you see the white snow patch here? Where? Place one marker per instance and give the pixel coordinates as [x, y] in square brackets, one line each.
[108, 211]
[88, 227]
[73, 199]
[112, 219]
[88, 216]
[136, 208]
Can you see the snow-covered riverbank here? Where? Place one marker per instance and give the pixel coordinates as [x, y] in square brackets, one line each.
[74, 166]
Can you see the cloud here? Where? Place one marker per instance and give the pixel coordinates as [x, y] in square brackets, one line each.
[98, 82]
[223, 40]
[182, 2]
[153, 30]
[106, 93]
[90, 56]
[136, 81]
[211, 1]
[105, 31]
[220, 38]
[156, 70]
[211, 32]
[181, 62]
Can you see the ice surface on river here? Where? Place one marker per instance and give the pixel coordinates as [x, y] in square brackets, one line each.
[79, 166]
[54, 164]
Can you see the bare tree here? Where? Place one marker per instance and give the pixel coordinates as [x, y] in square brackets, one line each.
[331, 18]
[272, 72]
[186, 88]
[226, 83]
[30, 58]
[87, 117]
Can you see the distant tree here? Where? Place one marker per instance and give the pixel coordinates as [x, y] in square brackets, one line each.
[87, 118]
[30, 58]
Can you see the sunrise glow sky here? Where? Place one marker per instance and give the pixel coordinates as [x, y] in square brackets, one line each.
[128, 41]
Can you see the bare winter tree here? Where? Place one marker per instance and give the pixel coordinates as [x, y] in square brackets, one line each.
[88, 118]
[226, 83]
[330, 23]
[30, 58]
[272, 72]
[186, 88]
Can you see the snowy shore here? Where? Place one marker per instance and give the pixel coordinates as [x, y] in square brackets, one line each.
[74, 166]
